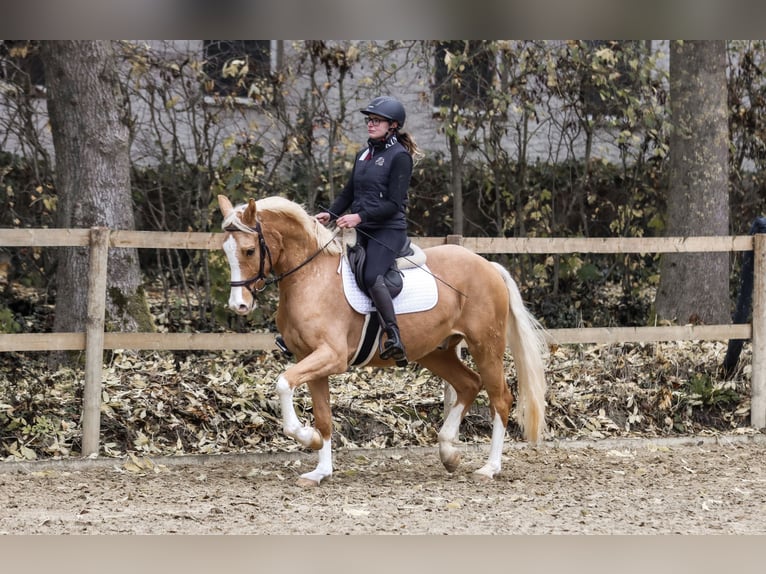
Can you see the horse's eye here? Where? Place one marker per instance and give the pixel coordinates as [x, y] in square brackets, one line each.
[250, 252]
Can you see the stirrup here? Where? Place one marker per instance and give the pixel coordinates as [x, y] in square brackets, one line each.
[390, 350]
[280, 343]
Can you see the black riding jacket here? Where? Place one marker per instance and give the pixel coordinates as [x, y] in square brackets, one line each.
[377, 188]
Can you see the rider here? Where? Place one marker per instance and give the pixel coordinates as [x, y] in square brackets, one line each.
[375, 201]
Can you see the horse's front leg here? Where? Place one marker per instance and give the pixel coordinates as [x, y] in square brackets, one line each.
[314, 370]
[291, 426]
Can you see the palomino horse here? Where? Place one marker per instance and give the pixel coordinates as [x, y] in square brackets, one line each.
[274, 240]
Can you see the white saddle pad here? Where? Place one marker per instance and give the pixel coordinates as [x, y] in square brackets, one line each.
[418, 294]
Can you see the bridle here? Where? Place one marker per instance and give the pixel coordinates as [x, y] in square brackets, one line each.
[265, 253]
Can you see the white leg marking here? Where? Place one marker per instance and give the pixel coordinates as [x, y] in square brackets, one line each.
[236, 300]
[495, 449]
[451, 426]
[324, 468]
[450, 398]
[449, 433]
[291, 426]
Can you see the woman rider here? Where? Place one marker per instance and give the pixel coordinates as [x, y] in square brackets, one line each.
[375, 201]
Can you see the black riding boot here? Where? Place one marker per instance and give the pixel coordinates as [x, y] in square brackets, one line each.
[393, 347]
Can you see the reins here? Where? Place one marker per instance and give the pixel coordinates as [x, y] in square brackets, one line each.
[265, 253]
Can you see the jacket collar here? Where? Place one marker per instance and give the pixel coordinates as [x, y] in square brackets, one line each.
[382, 143]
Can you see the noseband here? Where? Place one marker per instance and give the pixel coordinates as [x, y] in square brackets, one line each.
[265, 253]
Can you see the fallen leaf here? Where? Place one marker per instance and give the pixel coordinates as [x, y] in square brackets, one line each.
[356, 512]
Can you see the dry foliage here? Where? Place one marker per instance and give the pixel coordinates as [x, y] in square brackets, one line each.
[169, 403]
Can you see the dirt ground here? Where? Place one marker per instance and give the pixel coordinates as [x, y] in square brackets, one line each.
[696, 485]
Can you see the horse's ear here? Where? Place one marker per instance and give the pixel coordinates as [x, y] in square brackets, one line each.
[248, 217]
[225, 206]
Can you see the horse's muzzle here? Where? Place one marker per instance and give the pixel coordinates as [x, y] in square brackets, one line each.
[237, 301]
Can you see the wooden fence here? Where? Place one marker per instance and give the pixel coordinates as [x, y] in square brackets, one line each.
[94, 340]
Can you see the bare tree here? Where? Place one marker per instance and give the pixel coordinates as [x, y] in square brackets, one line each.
[695, 287]
[92, 174]
[461, 92]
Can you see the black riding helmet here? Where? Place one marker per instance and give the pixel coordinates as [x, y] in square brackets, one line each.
[386, 107]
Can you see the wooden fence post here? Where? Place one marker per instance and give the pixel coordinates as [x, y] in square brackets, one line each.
[758, 376]
[94, 340]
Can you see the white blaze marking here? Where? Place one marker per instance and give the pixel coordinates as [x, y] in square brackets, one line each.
[235, 296]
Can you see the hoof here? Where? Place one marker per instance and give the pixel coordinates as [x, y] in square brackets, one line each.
[482, 478]
[451, 463]
[486, 473]
[317, 442]
[307, 483]
[308, 437]
[450, 456]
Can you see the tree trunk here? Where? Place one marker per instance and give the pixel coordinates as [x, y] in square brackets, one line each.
[694, 287]
[92, 175]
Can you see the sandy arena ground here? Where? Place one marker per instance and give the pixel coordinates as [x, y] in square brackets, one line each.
[715, 485]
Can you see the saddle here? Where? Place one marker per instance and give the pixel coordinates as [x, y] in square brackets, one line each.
[410, 256]
[418, 294]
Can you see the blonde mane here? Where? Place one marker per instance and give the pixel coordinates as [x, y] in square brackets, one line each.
[284, 207]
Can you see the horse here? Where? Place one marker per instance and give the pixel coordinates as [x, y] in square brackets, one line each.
[275, 241]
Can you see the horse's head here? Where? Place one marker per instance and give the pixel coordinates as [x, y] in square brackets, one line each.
[295, 240]
[247, 253]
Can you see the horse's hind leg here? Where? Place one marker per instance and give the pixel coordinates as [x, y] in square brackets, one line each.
[490, 365]
[466, 383]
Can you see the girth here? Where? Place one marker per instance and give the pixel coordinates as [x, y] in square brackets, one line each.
[368, 342]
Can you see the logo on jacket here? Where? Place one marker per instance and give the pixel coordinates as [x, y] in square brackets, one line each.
[380, 161]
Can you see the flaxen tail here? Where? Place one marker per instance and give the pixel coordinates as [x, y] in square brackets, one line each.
[527, 341]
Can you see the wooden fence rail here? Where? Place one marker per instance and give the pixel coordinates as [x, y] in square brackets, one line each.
[94, 340]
